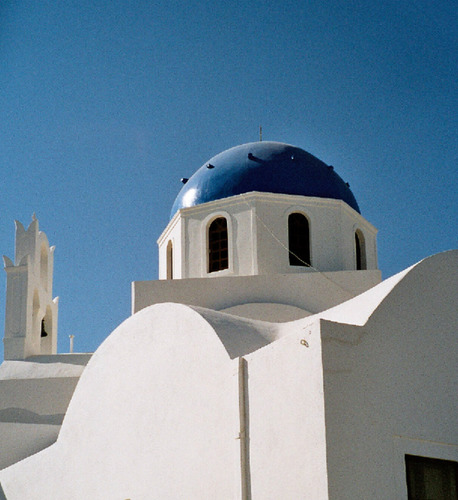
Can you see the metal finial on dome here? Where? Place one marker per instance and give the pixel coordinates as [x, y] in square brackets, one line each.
[260, 133]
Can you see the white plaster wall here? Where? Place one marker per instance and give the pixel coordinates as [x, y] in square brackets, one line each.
[287, 438]
[258, 235]
[155, 415]
[172, 233]
[324, 226]
[311, 292]
[25, 241]
[332, 225]
[276, 313]
[157, 411]
[15, 370]
[20, 440]
[31, 412]
[16, 312]
[391, 385]
[240, 244]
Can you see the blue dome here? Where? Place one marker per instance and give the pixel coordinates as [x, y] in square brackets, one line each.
[268, 167]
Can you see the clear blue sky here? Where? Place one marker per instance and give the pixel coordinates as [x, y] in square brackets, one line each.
[104, 105]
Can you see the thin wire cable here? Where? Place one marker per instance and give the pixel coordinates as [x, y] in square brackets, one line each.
[274, 236]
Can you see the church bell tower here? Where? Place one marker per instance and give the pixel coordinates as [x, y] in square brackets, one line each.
[31, 312]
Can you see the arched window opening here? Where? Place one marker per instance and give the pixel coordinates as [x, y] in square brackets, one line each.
[298, 240]
[218, 251]
[360, 251]
[170, 260]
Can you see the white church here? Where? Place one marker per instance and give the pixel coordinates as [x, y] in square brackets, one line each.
[268, 362]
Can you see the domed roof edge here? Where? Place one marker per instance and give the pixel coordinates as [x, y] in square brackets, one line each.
[264, 166]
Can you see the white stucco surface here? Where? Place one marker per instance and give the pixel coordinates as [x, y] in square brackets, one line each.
[258, 236]
[276, 313]
[187, 402]
[20, 440]
[287, 434]
[163, 391]
[358, 310]
[310, 292]
[156, 401]
[32, 408]
[391, 384]
[260, 381]
[26, 370]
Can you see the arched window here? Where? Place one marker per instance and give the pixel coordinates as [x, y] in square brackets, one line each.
[298, 240]
[169, 267]
[360, 251]
[218, 252]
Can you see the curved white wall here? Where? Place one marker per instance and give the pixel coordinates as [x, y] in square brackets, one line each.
[154, 416]
[390, 384]
[158, 411]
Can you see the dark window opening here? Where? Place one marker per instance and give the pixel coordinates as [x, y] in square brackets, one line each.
[360, 251]
[298, 240]
[169, 264]
[218, 250]
[431, 478]
[43, 333]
